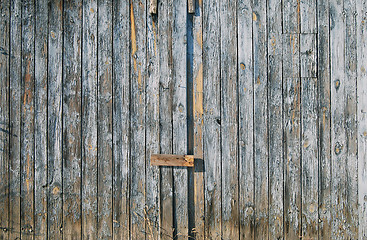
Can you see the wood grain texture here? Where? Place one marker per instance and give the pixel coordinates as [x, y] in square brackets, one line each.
[27, 126]
[275, 115]
[89, 120]
[152, 203]
[323, 75]
[307, 13]
[165, 116]
[212, 120]
[361, 114]
[4, 119]
[104, 124]
[40, 121]
[15, 120]
[121, 118]
[261, 141]
[72, 69]
[172, 160]
[246, 120]
[137, 118]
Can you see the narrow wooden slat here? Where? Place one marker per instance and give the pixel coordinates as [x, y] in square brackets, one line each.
[153, 6]
[292, 137]
[309, 153]
[362, 115]
[137, 119]
[55, 43]
[104, 119]
[291, 16]
[275, 101]
[338, 131]
[4, 119]
[191, 6]
[350, 109]
[229, 120]
[72, 219]
[89, 120]
[27, 123]
[40, 121]
[15, 120]
[172, 160]
[261, 154]
[151, 210]
[165, 116]
[307, 14]
[212, 120]
[323, 75]
[198, 228]
[179, 113]
[121, 118]
[246, 120]
[308, 57]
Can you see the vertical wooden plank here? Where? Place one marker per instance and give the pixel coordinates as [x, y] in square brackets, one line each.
[307, 16]
[5, 130]
[246, 120]
[362, 115]
[308, 57]
[229, 120]
[309, 158]
[40, 121]
[55, 46]
[121, 118]
[350, 109]
[338, 133]
[27, 123]
[137, 119]
[291, 16]
[72, 220]
[179, 112]
[212, 119]
[152, 130]
[292, 141]
[104, 119]
[261, 173]
[198, 230]
[15, 102]
[275, 101]
[165, 115]
[89, 120]
[323, 75]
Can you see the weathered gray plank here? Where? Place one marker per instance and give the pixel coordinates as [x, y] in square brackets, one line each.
[212, 120]
[89, 120]
[261, 154]
[338, 131]
[309, 154]
[362, 115]
[104, 119]
[27, 123]
[198, 228]
[275, 101]
[291, 16]
[307, 13]
[72, 219]
[308, 55]
[323, 75]
[179, 112]
[55, 120]
[151, 210]
[246, 120]
[229, 120]
[121, 118]
[4, 118]
[137, 119]
[15, 121]
[350, 109]
[40, 121]
[165, 116]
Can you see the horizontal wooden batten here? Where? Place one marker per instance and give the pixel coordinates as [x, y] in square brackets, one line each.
[172, 160]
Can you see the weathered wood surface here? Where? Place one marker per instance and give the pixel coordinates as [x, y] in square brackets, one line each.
[270, 96]
[172, 160]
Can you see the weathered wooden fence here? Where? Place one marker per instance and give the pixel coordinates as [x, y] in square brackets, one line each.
[271, 97]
